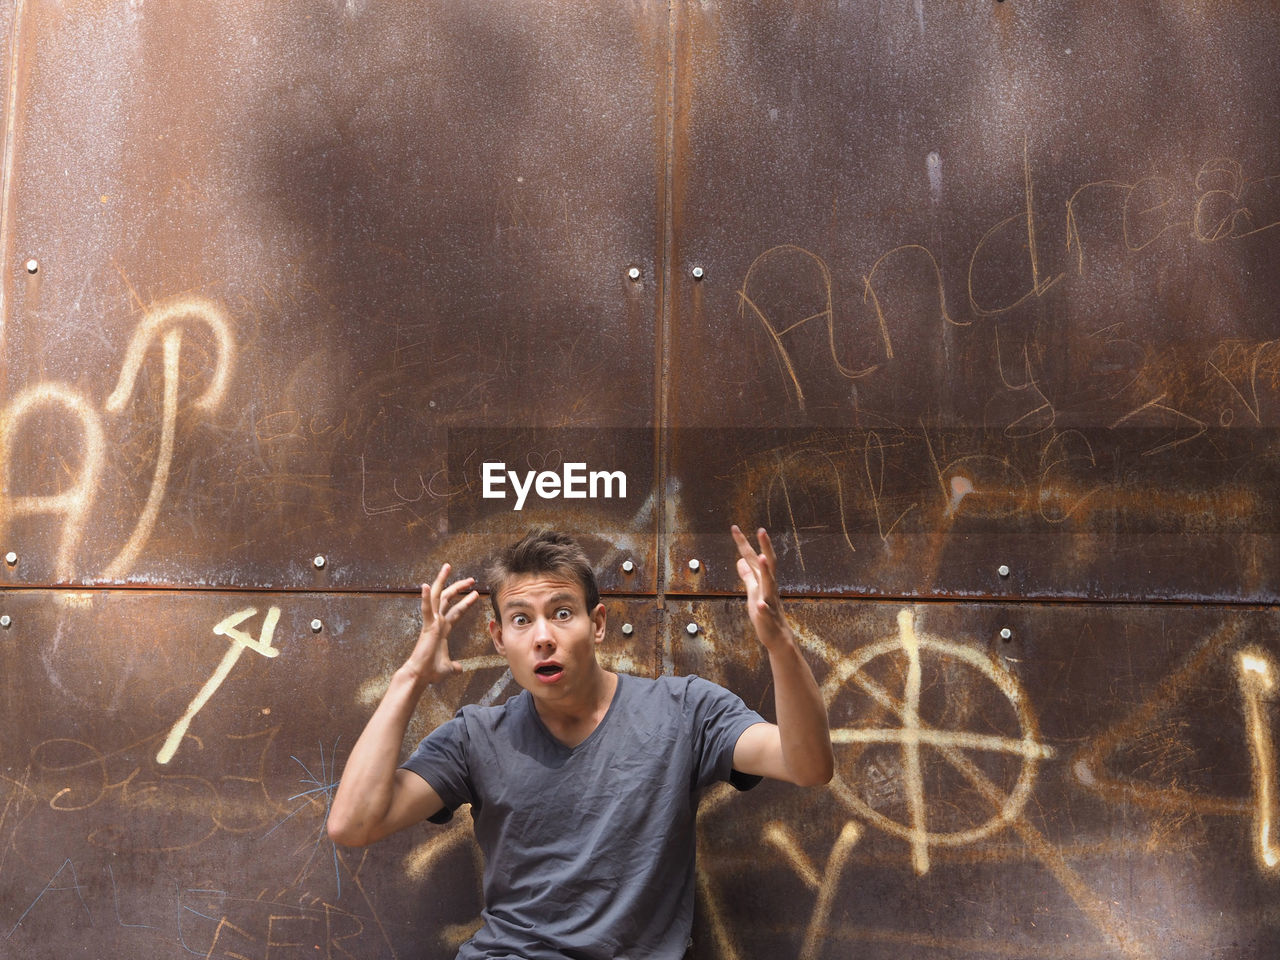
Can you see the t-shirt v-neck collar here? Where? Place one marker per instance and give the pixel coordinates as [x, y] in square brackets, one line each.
[558, 744]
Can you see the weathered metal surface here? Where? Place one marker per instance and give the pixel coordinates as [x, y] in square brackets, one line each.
[1020, 798]
[1006, 269]
[1096, 786]
[984, 285]
[106, 849]
[282, 253]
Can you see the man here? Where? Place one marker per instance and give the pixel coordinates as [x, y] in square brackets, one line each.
[583, 787]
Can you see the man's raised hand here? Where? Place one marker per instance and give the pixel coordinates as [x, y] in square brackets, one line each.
[758, 573]
[441, 609]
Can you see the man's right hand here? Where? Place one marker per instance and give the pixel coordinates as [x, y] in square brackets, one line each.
[441, 609]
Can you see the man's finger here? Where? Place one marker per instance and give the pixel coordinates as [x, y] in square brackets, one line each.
[457, 585]
[766, 547]
[462, 606]
[437, 586]
[744, 547]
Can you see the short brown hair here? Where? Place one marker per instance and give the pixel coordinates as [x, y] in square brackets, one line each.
[542, 551]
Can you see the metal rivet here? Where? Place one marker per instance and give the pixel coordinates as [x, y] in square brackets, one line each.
[691, 629]
[1006, 633]
[695, 565]
[33, 265]
[628, 566]
[634, 273]
[1003, 570]
[628, 629]
[697, 273]
[319, 562]
[11, 558]
[316, 626]
[6, 622]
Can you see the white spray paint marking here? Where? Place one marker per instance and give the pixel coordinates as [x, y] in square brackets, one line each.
[933, 164]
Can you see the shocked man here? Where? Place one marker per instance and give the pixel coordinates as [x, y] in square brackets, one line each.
[584, 787]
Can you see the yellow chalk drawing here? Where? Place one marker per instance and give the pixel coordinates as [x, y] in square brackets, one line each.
[953, 747]
[1257, 678]
[913, 734]
[240, 641]
[911, 745]
[150, 327]
[72, 503]
[845, 842]
[163, 321]
[780, 837]
[421, 860]
[163, 318]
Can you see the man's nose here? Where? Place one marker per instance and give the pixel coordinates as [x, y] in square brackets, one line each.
[542, 635]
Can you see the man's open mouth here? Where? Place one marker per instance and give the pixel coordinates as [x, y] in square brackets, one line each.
[548, 670]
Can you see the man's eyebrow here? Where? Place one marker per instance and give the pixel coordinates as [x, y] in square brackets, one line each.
[564, 596]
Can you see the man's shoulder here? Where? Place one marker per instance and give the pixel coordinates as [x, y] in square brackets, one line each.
[491, 716]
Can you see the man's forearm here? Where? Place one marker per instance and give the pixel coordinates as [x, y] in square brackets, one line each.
[366, 793]
[802, 715]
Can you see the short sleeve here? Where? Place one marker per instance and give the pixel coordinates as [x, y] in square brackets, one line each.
[718, 719]
[442, 761]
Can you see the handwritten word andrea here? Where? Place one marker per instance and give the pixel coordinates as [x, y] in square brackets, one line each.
[573, 482]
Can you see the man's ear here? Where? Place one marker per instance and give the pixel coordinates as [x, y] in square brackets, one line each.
[495, 634]
[597, 622]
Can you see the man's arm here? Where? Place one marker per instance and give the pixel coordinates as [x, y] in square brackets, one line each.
[798, 747]
[375, 797]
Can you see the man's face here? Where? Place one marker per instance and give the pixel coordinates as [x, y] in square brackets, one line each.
[549, 636]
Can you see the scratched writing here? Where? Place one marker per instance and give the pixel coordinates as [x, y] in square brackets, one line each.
[1165, 394]
[199, 921]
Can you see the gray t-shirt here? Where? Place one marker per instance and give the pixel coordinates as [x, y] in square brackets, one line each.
[589, 852]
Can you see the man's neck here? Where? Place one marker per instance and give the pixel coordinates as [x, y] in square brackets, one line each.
[572, 721]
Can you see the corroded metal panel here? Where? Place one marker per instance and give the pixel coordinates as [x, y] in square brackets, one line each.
[279, 255]
[1001, 278]
[1100, 784]
[168, 761]
[1021, 797]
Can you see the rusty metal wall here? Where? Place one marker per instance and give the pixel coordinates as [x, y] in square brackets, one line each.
[972, 303]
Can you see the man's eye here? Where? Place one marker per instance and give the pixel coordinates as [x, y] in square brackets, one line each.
[564, 613]
[519, 620]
